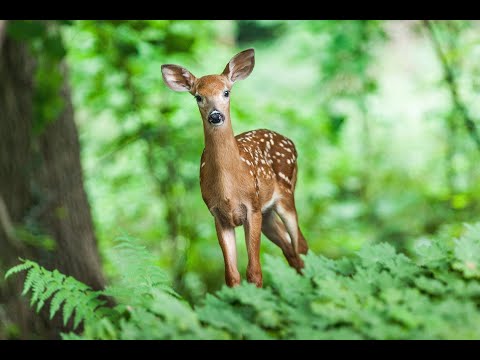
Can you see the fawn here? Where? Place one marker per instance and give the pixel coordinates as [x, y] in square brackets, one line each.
[246, 179]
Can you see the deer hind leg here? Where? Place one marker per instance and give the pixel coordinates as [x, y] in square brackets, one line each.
[288, 213]
[302, 243]
[275, 231]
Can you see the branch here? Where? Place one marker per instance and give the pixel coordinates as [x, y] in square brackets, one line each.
[452, 85]
[3, 27]
[7, 225]
[5, 220]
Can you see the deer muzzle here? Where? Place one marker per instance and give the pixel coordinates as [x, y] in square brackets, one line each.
[216, 118]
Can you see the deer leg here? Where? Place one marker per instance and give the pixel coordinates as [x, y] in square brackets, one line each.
[253, 232]
[226, 237]
[302, 243]
[276, 232]
[287, 212]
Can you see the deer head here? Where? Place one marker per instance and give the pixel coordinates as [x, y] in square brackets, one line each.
[212, 92]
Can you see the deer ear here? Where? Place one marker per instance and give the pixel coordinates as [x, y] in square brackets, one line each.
[177, 78]
[240, 66]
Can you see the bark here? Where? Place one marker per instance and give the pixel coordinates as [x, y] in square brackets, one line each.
[3, 26]
[452, 84]
[41, 187]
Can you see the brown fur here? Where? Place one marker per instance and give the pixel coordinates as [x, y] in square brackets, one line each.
[248, 179]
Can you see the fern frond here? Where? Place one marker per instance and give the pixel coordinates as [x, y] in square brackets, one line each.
[68, 308]
[38, 287]
[33, 275]
[49, 291]
[66, 293]
[56, 302]
[18, 268]
[138, 273]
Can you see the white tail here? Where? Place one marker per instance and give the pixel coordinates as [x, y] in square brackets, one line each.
[248, 179]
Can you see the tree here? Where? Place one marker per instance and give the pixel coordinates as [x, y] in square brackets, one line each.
[44, 211]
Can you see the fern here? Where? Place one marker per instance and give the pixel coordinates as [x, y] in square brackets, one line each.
[25, 265]
[62, 290]
[378, 294]
[138, 273]
[467, 252]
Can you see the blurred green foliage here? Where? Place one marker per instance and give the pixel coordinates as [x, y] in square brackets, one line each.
[377, 294]
[383, 151]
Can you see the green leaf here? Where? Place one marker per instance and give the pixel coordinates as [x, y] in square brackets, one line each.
[431, 253]
[53, 45]
[467, 252]
[26, 30]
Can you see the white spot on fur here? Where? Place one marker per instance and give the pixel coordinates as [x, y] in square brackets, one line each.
[284, 177]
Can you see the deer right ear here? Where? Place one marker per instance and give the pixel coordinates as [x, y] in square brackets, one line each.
[177, 78]
[240, 66]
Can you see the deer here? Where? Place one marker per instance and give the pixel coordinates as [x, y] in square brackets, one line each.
[248, 179]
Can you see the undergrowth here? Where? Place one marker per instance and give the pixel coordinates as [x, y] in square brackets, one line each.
[377, 294]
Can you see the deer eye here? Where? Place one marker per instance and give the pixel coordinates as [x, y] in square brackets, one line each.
[198, 98]
[226, 93]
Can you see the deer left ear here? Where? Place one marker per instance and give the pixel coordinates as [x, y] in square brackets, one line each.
[178, 78]
[240, 66]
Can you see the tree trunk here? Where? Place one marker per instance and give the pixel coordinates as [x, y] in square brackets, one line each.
[41, 190]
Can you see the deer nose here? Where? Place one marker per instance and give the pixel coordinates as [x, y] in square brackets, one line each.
[216, 117]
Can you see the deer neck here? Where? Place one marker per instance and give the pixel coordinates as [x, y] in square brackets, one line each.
[221, 149]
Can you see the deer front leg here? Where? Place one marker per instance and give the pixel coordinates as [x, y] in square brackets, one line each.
[253, 231]
[226, 237]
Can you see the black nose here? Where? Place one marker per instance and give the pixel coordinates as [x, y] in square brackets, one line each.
[215, 117]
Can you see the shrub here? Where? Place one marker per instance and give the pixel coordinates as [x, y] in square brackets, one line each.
[377, 294]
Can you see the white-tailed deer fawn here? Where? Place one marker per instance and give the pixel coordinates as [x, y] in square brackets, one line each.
[246, 179]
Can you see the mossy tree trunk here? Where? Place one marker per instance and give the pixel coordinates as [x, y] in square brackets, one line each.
[44, 211]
